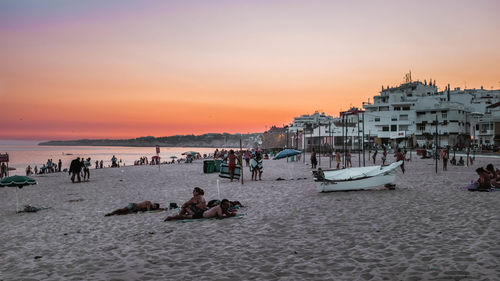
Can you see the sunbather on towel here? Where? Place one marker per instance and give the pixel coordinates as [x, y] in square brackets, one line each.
[220, 211]
[193, 208]
[136, 207]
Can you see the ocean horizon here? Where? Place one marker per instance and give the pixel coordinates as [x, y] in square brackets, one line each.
[27, 152]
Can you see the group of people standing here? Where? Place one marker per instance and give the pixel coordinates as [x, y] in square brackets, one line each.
[253, 160]
[80, 168]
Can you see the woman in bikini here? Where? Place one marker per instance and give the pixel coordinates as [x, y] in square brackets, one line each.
[193, 208]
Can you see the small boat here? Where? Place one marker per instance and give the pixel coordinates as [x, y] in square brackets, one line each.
[359, 178]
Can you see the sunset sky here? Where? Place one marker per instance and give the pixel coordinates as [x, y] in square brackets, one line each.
[124, 69]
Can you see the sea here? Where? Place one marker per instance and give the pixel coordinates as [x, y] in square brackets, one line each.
[27, 152]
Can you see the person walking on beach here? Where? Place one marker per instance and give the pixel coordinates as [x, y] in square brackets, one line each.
[101, 164]
[231, 163]
[338, 159]
[59, 165]
[444, 157]
[374, 156]
[348, 159]
[248, 155]
[314, 160]
[86, 169]
[384, 156]
[400, 157]
[74, 169]
[113, 162]
[29, 171]
[3, 170]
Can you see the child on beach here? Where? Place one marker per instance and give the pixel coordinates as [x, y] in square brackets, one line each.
[337, 159]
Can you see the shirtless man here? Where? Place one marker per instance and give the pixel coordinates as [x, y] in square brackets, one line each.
[220, 211]
[400, 157]
[135, 207]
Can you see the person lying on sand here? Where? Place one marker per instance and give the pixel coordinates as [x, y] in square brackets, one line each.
[135, 207]
[219, 211]
[193, 208]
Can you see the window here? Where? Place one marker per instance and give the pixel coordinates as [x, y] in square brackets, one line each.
[403, 117]
[397, 108]
[477, 127]
[444, 114]
[394, 128]
[421, 127]
[406, 108]
[377, 119]
[394, 118]
[385, 129]
[403, 127]
[384, 108]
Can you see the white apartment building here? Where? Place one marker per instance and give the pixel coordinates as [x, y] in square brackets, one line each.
[408, 113]
[406, 116]
[486, 130]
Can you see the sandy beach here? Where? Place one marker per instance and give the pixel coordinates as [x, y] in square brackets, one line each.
[429, 228]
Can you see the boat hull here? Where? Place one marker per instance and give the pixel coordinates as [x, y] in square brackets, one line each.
[358, 184]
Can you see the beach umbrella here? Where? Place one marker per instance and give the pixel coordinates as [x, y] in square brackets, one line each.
[286, 153]
[17, 182]
[193, 153]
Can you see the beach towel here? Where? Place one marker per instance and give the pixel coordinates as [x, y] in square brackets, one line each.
[254, 164]
[239, 216]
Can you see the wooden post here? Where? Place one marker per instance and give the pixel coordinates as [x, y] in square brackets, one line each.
[241, 162]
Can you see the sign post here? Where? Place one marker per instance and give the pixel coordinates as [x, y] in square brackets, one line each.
[158, 156]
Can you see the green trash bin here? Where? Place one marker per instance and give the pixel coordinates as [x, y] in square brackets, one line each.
[208, 166]
[218, 164]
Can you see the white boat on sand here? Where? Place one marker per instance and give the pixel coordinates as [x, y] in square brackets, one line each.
[358, 178]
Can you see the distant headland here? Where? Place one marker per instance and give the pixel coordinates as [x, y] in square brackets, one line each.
[206, 140]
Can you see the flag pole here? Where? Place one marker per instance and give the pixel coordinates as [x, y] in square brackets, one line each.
[241, 162]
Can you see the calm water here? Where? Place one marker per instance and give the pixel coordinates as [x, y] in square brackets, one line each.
[24, 153]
